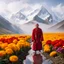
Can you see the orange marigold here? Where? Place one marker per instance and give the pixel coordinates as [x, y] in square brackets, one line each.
[9, 51]
[2, 53]
[13, 58]
[53, 53]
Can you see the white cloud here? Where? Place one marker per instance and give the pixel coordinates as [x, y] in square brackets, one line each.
[3, 6]
[16, 6]
[25, 7]
[8, 1]
[59, 10]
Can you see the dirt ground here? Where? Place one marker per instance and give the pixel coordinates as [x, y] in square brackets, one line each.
[55, 60]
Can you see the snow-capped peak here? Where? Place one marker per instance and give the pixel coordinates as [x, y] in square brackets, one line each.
[42, 13]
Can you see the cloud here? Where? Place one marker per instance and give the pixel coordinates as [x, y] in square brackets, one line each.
[8, 1]
[26, 8]
[3, 6]
[15, 6]
[59, 10]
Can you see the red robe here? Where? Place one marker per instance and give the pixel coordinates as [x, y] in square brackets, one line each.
[37, 38]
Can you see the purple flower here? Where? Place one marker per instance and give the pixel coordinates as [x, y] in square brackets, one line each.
[60, 50]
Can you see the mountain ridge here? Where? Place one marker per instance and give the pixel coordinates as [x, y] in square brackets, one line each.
[58, 27]
[42, 12]
[7, 27]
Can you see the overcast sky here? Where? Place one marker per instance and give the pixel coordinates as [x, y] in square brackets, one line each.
[8, 7]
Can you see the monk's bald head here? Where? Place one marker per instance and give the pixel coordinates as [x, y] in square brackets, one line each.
[37, 25]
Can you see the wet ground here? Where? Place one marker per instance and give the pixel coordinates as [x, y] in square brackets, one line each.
[37, 59]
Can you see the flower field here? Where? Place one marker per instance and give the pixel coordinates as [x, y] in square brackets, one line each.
[15, 47]
[54, 44]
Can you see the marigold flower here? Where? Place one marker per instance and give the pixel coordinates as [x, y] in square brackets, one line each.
[27, 44]
[9, 51]
[15, 41]
[13, 58]
[14, 47]
[18, 48]
[46, 48]
[2, 53]
[4, 45]
[53, 53]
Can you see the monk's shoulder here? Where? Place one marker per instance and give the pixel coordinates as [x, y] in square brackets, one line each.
[40, 29]
[34, 29]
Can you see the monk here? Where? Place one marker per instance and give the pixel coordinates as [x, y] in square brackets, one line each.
[37, 38]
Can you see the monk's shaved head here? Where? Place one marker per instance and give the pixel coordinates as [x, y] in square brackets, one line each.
[37, 25]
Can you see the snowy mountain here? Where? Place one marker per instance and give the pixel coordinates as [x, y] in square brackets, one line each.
[7, 27]
[42, 14]
[18, 18]
[56, 19]
[33, 14]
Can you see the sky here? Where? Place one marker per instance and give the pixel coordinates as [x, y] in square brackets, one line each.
[9, 7]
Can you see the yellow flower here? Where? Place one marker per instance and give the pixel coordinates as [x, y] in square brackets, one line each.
[27, 44]
[20, 44]
[11, 45]
[13, 58]
[21, 41]
[4, 45]
[7, 48]
[9, 51]
[14, 47]
[46, 48]
[2, 53]
[15, 41]
[18, 48]
[53, 53]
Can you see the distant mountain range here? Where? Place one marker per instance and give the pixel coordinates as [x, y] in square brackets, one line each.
[6, 27]
[40, 15]
[59, 27]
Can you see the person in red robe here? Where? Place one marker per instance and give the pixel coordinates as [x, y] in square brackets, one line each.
[37, 38]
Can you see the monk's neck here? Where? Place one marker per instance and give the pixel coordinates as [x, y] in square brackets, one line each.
[37, 28]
